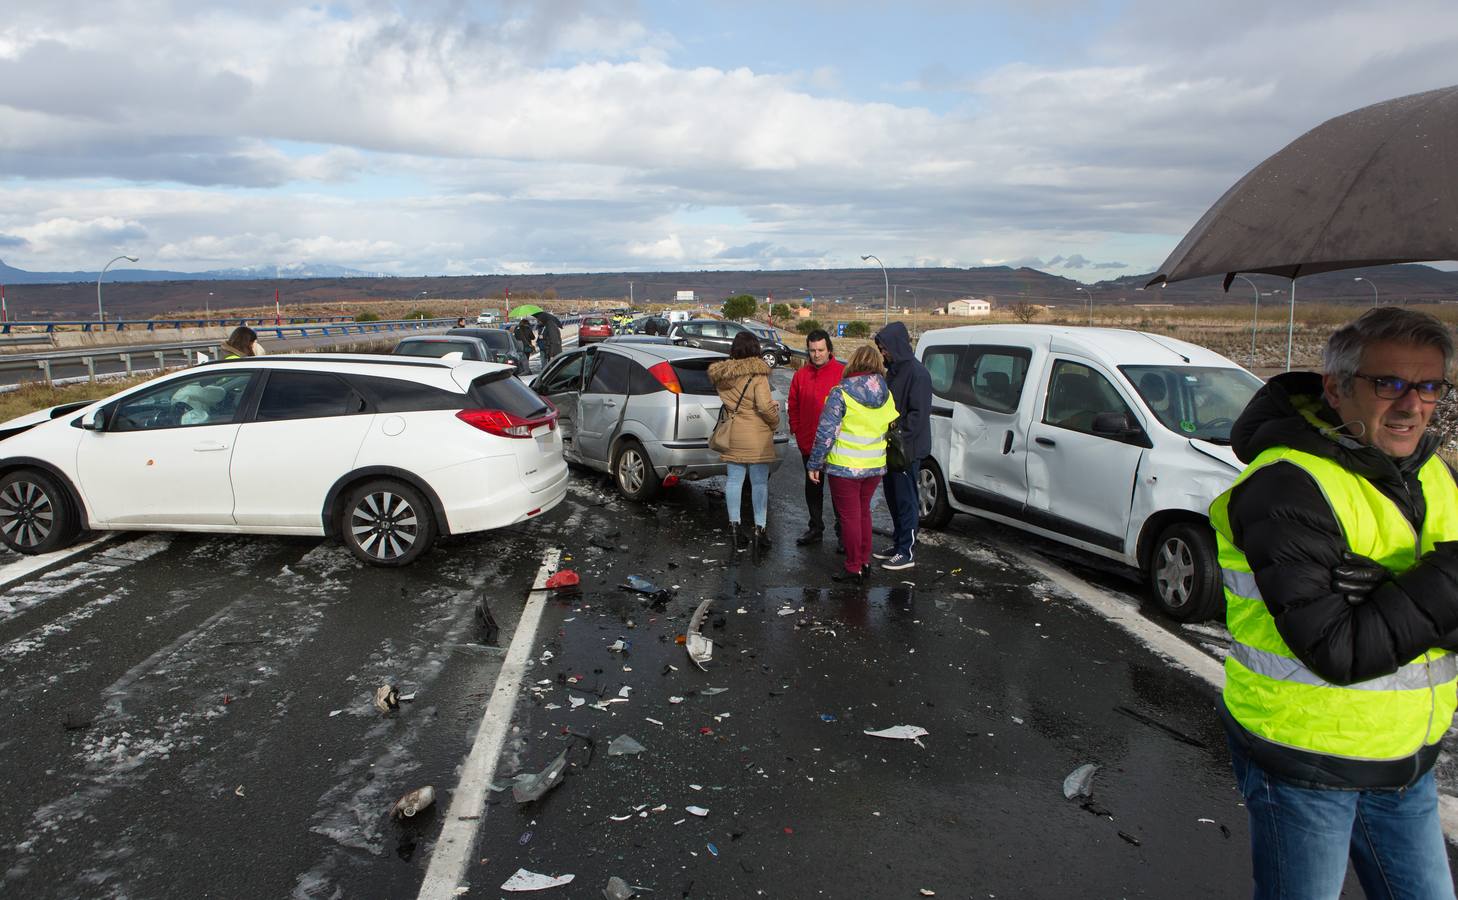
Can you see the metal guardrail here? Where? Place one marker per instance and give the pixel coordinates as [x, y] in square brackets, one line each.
[179, 351]
[154, 324]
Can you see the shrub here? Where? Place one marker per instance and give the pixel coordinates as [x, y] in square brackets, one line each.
[805, 326]
[780, 311]
[367, 317]
[741, 306]
[420, 313]
[857, 329]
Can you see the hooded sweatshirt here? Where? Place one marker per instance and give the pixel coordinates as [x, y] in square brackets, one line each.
[869, 390]
[1281, 520]
[910, 387]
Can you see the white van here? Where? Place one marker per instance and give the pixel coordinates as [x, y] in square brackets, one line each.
[679, 315]
[1111, 441]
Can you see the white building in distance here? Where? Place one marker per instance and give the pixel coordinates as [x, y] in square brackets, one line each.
[968, 307]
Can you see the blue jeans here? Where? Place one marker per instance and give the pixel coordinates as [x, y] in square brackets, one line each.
[1301, 838]
[759, 490]
[900, 489]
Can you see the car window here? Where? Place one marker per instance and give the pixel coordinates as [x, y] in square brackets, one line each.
[693, 374]
[641, 382]
[714, 329]
[211, 399]
[1077, 395]
[997, 377]
[501, 390]
[691, 330]
[438, 349]
[306, 395]
[566, 376]
[610, 376]
[389, 395]
[942, 363]
[1195, 401]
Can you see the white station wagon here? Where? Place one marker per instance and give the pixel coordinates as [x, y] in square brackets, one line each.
[386, 453]
[1111, 441]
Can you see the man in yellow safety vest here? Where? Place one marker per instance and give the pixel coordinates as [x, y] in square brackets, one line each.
[1337, 549]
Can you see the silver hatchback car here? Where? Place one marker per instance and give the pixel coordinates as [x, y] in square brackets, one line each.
[639, 411]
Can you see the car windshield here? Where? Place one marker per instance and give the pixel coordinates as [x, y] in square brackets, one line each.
[1194, 401]
[595, 321]
[497, 340]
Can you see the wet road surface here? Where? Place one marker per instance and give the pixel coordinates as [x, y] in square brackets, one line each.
[192, 716]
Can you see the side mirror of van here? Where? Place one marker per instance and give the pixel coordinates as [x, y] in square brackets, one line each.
[1115, 425]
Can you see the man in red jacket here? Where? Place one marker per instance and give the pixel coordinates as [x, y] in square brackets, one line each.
[808, 390]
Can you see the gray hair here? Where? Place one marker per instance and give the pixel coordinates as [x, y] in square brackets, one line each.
[1343, 354]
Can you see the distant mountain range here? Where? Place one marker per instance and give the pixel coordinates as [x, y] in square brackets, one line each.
[11, 275]
[139, 293]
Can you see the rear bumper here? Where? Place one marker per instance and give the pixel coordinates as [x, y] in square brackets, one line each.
[469, 508]
[692, 460]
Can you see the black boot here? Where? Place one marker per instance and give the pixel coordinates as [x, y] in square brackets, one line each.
[738, 537]
[812, 535]
[761, 534]
[758, 543]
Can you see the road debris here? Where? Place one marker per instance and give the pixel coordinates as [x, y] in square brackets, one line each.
[623, 745]
[700, 649]
[1079, 782]
[619, 646]
[640, 585]
[564, 578]
[413, 802]
[1155, 723]
[522, 880]
[912, 733]
[696, 811]
[617, 889]
[238, 791]
[528, 787]
[1129, 837]
[387, 698]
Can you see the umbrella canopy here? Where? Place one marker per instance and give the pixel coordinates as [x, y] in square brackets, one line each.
[1372, 187]
[526, 309]
[544, 316]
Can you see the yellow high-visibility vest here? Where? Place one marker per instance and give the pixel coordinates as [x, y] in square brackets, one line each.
[1273, 695]
[861, 441]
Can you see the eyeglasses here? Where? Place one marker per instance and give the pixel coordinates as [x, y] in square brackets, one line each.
[1390, 387]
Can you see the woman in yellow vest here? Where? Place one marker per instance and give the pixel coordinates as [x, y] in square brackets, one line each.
[850, 449]
[242, 343]
[742, 381]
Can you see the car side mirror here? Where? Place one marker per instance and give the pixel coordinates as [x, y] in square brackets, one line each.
[95, 420]
[1114, 425]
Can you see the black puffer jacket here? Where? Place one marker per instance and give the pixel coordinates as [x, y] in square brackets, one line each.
[1289, 534]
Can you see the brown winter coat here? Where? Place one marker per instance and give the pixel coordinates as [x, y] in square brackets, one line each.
[752, 429]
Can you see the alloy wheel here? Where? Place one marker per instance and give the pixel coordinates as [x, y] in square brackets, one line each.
[384, 525]
[26, 513]
[926, 491]
[1174, 573]
[630, 470]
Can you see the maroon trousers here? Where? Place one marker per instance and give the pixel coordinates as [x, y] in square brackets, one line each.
[852, 500]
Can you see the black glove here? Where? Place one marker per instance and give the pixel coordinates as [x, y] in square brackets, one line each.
[1357, 576]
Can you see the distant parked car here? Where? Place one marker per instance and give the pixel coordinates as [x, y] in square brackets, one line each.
[714, 334]
[653, 325]
[444, 346]
[504, 346]
[1111, 441]
[486, 318]
[594, 328]
[639, 410]
[384, 454]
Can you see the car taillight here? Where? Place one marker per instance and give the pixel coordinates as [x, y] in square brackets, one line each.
[666, 377]
[504, 424]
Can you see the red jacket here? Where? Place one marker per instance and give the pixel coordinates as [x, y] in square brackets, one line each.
[808, 390]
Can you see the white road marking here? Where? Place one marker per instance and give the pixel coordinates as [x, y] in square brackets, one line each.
[1177, 651]
[27, 566]
[458, 835]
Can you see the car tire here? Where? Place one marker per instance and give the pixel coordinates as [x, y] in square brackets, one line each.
[931, 495]
[633, 472]
[387, 523]
[1184, 573]
[770, 358]
[36, 515]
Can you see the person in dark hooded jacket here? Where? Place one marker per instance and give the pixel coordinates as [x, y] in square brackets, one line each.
[549, 337]
[1338, 548]
[911, 389]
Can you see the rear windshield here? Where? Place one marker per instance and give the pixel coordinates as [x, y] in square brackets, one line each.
[595, 320]
[500, 390]
[693, 374]
[497, 340]
[435, 349]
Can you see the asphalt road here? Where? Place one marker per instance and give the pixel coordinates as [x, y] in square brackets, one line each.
[192, 716]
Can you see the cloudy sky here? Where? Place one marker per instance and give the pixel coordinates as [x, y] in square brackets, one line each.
[418, 137]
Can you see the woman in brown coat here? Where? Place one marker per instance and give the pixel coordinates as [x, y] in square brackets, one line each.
[742, 381]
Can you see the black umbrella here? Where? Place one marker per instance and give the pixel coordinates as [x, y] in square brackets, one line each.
[1368, 188]
[545, 316]
[1372, 187]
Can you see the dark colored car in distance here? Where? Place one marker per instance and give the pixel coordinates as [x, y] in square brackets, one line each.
[504, 346]
[594, 329]
[714, 334]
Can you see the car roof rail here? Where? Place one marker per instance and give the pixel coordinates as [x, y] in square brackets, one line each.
[357, 359]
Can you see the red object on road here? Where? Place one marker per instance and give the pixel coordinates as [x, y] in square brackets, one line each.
[564, 578]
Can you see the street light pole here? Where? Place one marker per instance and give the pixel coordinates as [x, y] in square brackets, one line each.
[1090, 303]
[887, 279]
[99, 315]
[1373, 285]
[1255, 313]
